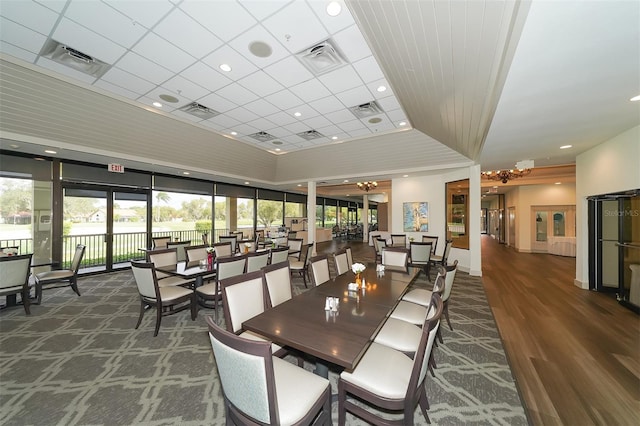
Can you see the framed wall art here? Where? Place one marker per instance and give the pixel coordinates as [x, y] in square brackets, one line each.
[415, 216]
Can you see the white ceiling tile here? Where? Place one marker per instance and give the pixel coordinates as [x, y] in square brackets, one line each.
[106, 21]
[20, 36]
[261, 9]
[360, 132]
[342, 79]
[284, 99]
[317, 122]
[352, 44]
[350, 126]
[136, 64]
[187, 34]
[289, 71]
[327, 105]
[281, 118]
[261, 84]
[218, 103]
[242, 129]
[340, 116]
[332, 23]
[293, 139]
[297, 127]
[240, 66]
[29, 14]
[368, 69]
[397, 115]
[296, 26]
[128, 81]
[241, 114]
[145, 12]
[154, 95]
[186, 116]
[261, 123]
[55, 5]
[310, 90]
[389, 104]
[356, 96]
[305, 110]
[86, 41]
[237, 94]
[17, 52]
[160, 51]
[373, 88]
[383, 126]
[278, 132]
[205, 76]
[64, 70]
[112, 88]
[261, 107]
[242, 43]
[223, 120]
[330, 131]
[225, 19]
[216, 126]
[186, 88]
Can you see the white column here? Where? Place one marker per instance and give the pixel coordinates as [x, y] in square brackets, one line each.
[311, 214]
[365, 218]
[475, 197]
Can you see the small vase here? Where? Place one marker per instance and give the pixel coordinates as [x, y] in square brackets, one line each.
[358, 280]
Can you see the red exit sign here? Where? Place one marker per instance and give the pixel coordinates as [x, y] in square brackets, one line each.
[116, 168]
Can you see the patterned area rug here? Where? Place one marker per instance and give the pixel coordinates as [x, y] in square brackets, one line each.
[79, 361]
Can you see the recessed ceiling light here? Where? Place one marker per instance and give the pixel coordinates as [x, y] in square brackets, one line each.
[635, 98]
[277, 149]
[225, 67]
[50, 151]
[495, 187]
[402, 123]
[558, 183]
[381, 89]
[234, 133]
[345, 181]
[565, 146]
[405, 176]
[334, 8]
[157, 104]
[246, 183]
[297, 114]
[334, 138]
[299, 184]
[14, 146]
[186, 173]
[38, 158]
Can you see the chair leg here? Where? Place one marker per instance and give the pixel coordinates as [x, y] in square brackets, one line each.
[424, 405]
[74, 285]
[38, 293]
[158, 318]
[194, 306]
[342, 400]
[446, 313]
[304, 278]
[439, 334]
[141, 314]
[26, 301]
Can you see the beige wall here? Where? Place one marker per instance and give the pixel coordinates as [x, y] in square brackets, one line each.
[612, 166]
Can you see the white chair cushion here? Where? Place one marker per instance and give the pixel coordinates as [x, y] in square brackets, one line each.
[54, 275]
[172, 280]
[419, 296]
[293, 403]
[254, 336]
[399, 335]
[172, 293]
[382, 371]
[207, 289]
[410, 312]
[4, 290]
[296, 264]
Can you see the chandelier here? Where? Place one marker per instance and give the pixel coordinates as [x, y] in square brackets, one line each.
[505, 175]
[367, 186]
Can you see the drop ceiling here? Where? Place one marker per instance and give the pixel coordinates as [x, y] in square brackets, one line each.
[491, 82]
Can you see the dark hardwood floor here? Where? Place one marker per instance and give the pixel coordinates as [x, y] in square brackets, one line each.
[575, 354]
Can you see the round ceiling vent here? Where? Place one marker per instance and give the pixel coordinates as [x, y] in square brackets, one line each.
[169, 98]
[375, 120]
[260, 49]
[277, 142]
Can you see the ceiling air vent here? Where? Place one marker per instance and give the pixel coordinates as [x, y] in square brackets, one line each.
[262, 136]
[310, 135]
[73, 58]
[199, 111]
[366, 110]
[321, 58]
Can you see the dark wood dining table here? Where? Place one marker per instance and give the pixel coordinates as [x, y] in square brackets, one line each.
[340, 337]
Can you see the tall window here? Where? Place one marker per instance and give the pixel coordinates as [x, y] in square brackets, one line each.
[269, 214]
[182, 216]
[458, 213]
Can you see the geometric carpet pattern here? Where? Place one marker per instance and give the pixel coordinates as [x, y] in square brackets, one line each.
[79, 361]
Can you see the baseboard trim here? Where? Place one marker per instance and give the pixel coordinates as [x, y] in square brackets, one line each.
[581, 284]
